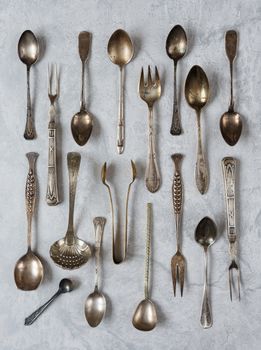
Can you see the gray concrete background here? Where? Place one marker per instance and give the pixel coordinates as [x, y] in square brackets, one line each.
[57, 24]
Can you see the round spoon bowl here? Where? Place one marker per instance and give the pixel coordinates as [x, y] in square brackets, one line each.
[28, 272]
[120, 48]
[28, 48]
[95, 308]
[231, 127]
[81, 126]
[145, 316]
[176, 44]
[65, 285]
[206, 232]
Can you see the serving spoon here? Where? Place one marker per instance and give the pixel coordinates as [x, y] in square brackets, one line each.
[230, 121]
[197, 94]
[82, 122]
[120, 50]
[28, 52]
[95, 305]
[205, 235]
[176, 47]
[28, 272]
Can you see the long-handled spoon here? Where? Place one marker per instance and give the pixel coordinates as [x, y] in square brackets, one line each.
[28, 51]
[230, 122]
[28, 272]
[145, 315]
[82, 122]
[95, 305]
[197, 93]
[176, 47]
[205, 235]
[65, 286]
[120, 50]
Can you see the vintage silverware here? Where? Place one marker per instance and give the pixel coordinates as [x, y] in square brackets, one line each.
[178, 262]
[230, 122]
[229, 175]
[197, 94]
[65, 286]
[95, 305]
[28, 51]
[176, 47]
[205, 235]
[28, 272]
[151, 92]
[120, 50]
[145, 315]
[71, 252]
[117, 255]
[52, 193]
[82, 122]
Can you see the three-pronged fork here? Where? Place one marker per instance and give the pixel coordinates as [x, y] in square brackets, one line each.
[52, 194]
[150, 91]
[178, 262]
[229, 174]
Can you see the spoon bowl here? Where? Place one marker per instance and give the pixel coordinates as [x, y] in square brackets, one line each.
[65, 285]
[81, 127]
[28, 272]
[120, 48]
[206, 232]
[95, 308]
[145, 316]
[28, 48]
[231, 127]
[197, 88]
[176, 43]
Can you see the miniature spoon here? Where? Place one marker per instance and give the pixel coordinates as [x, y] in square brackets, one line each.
[145, 315]
[82, 122]
[230, 122]
[197, 93]
[28, 51]
[176, 47]
[120, 50]
[205, 235]
[28, 272]
[95, 305]
[65, 286]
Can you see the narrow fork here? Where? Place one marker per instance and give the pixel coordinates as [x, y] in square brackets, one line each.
[178, 262]
[150, 91]
[52, 193]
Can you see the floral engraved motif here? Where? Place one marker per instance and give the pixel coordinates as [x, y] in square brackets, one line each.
[30, 191]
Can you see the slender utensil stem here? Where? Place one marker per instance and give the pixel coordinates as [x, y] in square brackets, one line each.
[152, 171]
[175, 125]
[147, 255]
[201, 166]
[99, 224]
[231, 105]
[30, 194]
[82, 108]
[73, 162]
[206, 317]
[29, 132]
[121, 119]
[30, 319]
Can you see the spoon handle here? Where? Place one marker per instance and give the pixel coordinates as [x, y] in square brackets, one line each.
[99, 223]
[206, 317]
[175, 125]
[147, 256]
[30, 319]
[152, 171]
[29, 132]
[30, 193]
[121, 119]
[201, 172]
[231, 51]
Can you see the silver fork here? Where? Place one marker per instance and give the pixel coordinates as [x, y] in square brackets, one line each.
[52, 193]
[150, 92]
[229, 175]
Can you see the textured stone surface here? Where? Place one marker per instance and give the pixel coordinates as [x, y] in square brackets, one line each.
[237, 326]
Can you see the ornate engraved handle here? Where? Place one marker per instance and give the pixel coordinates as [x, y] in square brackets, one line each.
[206, 316]
[30, 193]
[52, 194]
[229, 175]
[29, 133]
[99, 223]
[121, 118]
[175, 125]
[152, 171]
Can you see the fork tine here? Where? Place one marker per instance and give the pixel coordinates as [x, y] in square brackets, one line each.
[230, 276]
[181, 278]
[141, 86]
[174, 275]
[49, 79]
[157, 78]
[233, 266]
[56, 80]
[149, 78]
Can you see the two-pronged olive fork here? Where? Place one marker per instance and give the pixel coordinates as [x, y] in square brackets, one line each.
[52, 194]
[150, 91]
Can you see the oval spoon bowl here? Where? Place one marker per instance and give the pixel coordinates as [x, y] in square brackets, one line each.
[28, 48]
[81, 127]
[145, 316]
[120, 48]
[231, 127]
[95, 308]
